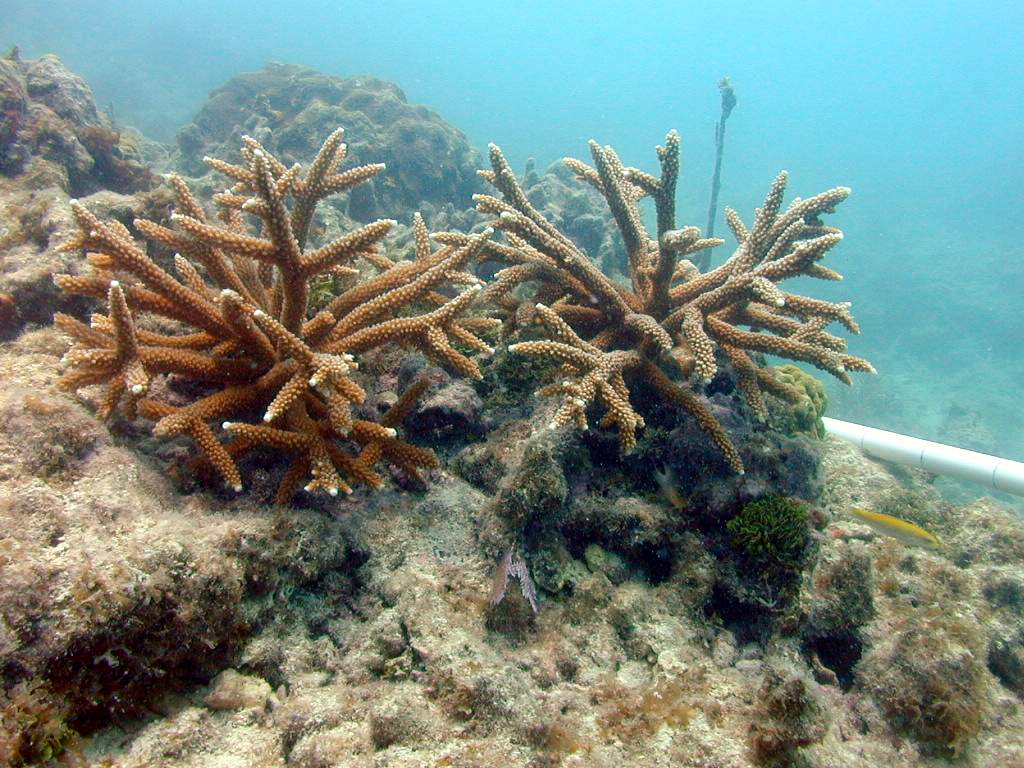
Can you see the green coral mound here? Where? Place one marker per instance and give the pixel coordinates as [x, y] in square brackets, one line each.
[804, 416]
[773, 531]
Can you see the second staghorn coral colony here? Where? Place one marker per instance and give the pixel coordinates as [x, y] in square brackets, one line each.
[603, 333]
[236, 317]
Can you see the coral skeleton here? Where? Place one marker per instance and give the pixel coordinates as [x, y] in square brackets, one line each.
[235, 322]
[672, 317]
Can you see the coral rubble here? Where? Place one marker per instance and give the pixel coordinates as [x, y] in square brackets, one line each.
[234, 322]
[603, 333]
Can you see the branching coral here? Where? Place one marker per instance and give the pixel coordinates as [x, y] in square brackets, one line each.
[239, 326]
[603, 333]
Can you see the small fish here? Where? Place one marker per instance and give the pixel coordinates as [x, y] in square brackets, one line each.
[901, 530]
[669, 487]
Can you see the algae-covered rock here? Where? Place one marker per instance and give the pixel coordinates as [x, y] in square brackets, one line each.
[451, 414]
[599, 560]
[838, 601]
[792, 717]
[48, 112]
[230, 691]
[1006, 661]
[291, 108]
[536, 487]
[397, 721]
[931, 681]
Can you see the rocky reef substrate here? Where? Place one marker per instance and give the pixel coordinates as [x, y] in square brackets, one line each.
[149, 618]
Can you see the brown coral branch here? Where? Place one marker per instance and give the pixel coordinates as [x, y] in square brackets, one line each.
[241, 304]
[604, 334]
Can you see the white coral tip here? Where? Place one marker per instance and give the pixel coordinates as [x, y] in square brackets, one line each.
[391, 432]
[249, 204]
[207, 158]
[780, 302]
[73, 201]
[175, 216]
[237, 487]
[332, 491]
[259, 313]
[227, 425]
[115, 284]
[138, 389]
[268, 416]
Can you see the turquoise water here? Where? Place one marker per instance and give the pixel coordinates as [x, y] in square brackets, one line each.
[919, 109]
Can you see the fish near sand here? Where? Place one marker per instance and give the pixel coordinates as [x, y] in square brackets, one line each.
[894, 527]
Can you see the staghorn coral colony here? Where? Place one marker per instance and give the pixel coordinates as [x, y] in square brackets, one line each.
[250, 332]
[244, 326]
[603, 333]
[689, 590]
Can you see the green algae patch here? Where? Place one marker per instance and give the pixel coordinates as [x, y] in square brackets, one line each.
[772, 532]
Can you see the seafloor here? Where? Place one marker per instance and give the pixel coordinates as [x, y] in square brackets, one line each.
[149, 618]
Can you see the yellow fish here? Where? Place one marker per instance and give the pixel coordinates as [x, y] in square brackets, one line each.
[901, 530]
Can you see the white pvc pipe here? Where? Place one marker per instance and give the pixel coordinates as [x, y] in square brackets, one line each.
[992, 471]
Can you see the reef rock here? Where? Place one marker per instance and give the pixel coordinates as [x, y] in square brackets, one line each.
[291, 108]
[52, 131]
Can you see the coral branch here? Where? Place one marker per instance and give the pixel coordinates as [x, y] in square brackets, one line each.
[672, 315]
[241, 304]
